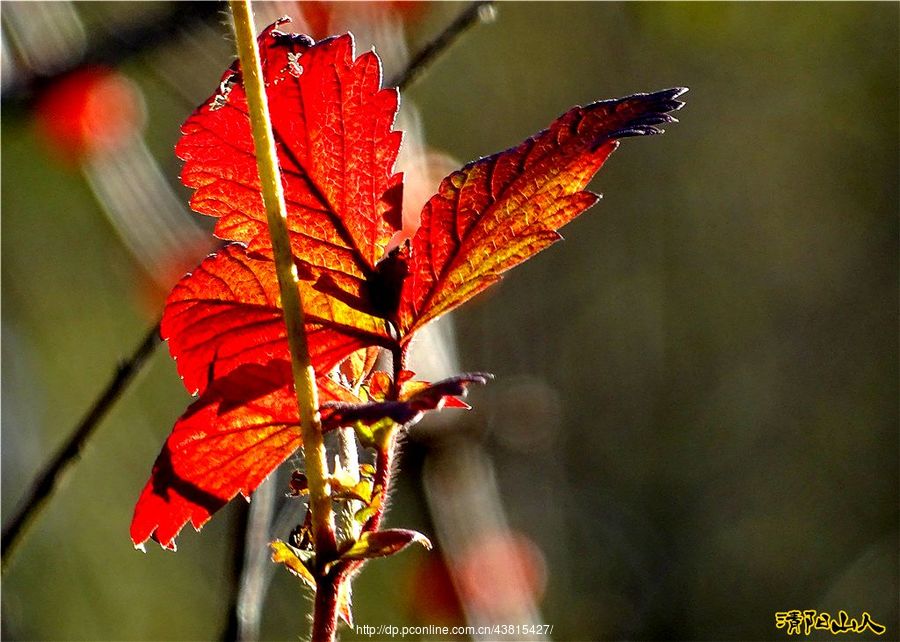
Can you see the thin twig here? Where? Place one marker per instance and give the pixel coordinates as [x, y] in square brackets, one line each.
[472, 15]
[46, 482]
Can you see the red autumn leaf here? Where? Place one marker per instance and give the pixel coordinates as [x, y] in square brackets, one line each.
[228, 313]
[357, 367]
[227, 442]
[332, 124]
[499, 211]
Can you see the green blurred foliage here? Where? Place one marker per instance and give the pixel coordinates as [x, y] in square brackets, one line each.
[720, 332]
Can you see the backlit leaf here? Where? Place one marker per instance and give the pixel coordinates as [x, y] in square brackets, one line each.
[228, 313]
[286, 554]
[332, 124]
[498, 211]
[228, 441]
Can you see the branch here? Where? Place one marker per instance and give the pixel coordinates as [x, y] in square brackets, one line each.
[480, 11]
[46, 482]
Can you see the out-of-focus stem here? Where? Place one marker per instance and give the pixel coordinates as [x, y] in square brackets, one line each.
[348, 460]
[314, 455]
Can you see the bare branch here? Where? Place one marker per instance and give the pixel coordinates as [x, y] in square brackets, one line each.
[46, 482]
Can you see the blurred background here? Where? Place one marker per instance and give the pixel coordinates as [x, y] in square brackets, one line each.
[694, 423]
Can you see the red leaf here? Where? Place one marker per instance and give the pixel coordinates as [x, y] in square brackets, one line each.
[499, 211]
[227, 442]
[332, 124]
[333, 128]
[228, 313]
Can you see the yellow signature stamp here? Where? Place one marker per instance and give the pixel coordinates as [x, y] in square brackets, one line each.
[797, 622]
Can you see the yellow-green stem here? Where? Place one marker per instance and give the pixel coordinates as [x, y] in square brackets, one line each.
[273, 197]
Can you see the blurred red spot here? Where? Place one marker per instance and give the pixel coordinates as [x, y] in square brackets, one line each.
[90, 111]
[501, 572]
[432, 597]
[329, 16]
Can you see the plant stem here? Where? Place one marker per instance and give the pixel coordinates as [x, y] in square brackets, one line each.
[325, 607]
[314, 455]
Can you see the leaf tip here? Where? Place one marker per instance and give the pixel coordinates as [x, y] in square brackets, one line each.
[424, 541]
